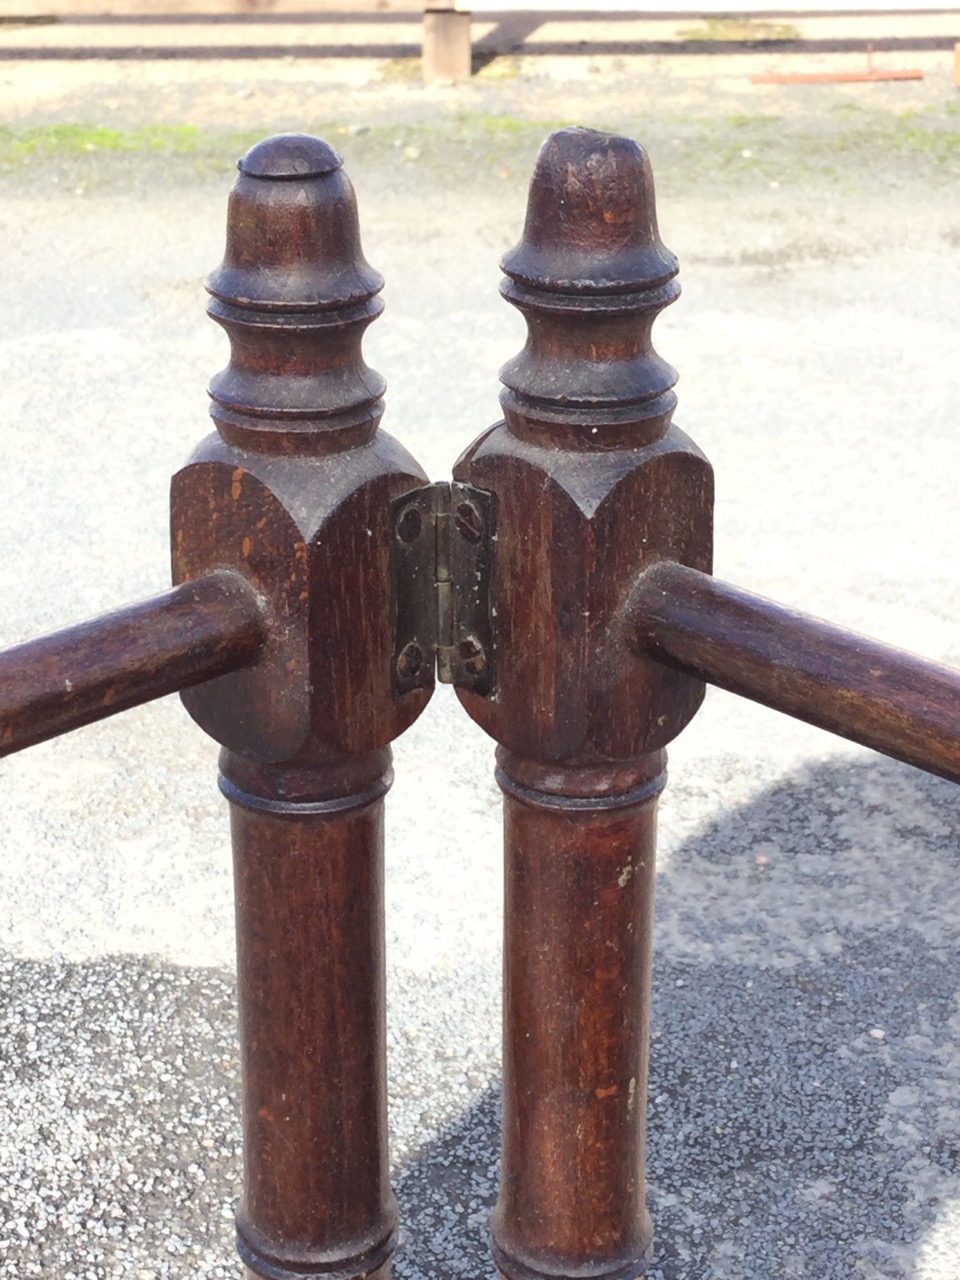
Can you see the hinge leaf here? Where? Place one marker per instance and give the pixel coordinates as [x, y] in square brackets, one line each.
[471, 530]
[442, 565]
[413, 553]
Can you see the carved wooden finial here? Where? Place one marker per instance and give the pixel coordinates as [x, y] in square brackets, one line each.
[590, 276]
[298, 472]
[294, 294]
[590, 477]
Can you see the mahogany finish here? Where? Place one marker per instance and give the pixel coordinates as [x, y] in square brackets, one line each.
[590, 478]
[95, 669]
[589, 475]
[580, 862]
[905, 706]
[312, 567]
[310, 973]
[294, 490]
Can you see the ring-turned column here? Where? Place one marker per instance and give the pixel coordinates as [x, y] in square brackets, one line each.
[590, 481]
[294, 490]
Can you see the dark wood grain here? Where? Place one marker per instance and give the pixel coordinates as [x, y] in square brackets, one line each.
[590, 479]
[294, 491]
[60, 682]
[590, 476]
[308, 859]
[898, 703]
[580, 859]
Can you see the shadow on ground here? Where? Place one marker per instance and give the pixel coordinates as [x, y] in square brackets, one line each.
[805, 1073]
[805, 1077]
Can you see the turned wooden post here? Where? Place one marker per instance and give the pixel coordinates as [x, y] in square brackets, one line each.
[590, 481]
[294, 490]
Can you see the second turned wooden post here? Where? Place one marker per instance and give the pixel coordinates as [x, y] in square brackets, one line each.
[590, 481]
[580, 851]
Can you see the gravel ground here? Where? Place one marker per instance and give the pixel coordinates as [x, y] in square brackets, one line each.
[805, 1079]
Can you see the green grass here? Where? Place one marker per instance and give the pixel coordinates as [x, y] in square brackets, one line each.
[687, 151]
[739, 120]
[912, 133]
[74, 141]
[740, 30]
[401, 71]
[492, 126]
[505, 66]
[65, 140]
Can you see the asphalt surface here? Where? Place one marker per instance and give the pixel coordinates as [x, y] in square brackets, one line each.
[805, 1074]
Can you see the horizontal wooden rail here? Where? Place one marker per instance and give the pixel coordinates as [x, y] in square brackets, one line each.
[871, 693]
[202, 629]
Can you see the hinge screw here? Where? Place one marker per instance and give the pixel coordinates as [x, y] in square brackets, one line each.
[469, 522]
[472, 656]
[409, 524]
[410, 661]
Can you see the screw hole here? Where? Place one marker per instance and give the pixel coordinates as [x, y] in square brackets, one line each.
[409, 524]
[472, 656]
[469, 522]
[410, 661]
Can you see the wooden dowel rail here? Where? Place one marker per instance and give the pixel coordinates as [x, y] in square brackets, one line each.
[872, 693]
[202, 629]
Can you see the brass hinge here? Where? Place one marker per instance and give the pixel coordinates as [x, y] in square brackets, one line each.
[442, 560]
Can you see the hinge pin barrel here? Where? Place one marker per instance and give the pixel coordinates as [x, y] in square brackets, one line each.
[442, 567]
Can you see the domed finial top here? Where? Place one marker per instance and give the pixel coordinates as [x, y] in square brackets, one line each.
[290, 155]
[293, 237]
[294, 294]
[591, 222]
[590, 276]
